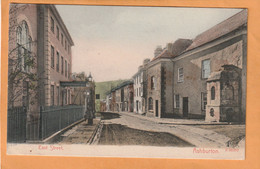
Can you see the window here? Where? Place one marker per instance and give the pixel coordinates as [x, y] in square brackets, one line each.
[52, 95]
[139, 91]
[52, 25]
[97, 96]
[205, 68]
[203, 101]
[62, 39]
[153, 82]
[212, 93]
[180, 75]
[24, 41]
[52, 56]
[65, 44]
[58, 62]
[62, 65]
[66, 68]
[150, 100]
[177, 101]
[58, 95]
[58, 33]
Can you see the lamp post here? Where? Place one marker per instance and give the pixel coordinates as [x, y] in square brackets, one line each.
[89, 111]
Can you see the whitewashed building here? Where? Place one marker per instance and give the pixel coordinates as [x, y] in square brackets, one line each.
[138, 91]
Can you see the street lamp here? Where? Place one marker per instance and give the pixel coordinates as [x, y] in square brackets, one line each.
[90, 77]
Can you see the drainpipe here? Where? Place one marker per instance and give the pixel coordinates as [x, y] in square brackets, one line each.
[172, 85]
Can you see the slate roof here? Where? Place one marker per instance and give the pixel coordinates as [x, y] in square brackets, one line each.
[221, 29]
[125, 83]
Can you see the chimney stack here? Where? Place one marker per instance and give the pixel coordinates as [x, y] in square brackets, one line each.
[158, 51]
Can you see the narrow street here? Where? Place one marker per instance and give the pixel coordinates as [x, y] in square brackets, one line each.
[116, 132]
[131, 129]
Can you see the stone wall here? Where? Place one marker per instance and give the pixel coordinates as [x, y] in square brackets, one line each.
[229, 51]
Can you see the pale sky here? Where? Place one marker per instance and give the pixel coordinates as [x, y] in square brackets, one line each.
[111, 41]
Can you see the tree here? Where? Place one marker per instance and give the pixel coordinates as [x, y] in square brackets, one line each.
[22, 66]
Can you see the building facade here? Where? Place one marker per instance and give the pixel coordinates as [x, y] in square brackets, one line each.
[159, 73]
[39, 60]
[223, 44]
[138, 91]
[203, 78]
[121, 98]
[54, 53]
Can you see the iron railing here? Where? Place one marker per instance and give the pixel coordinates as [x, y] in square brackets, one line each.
[16, 125]
[55, 118]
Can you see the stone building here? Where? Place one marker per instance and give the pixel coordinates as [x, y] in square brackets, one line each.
[179, 78]
[223, 44]
[159, 73]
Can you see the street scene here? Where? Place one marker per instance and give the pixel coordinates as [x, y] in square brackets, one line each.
[132, 129]
[127, 77]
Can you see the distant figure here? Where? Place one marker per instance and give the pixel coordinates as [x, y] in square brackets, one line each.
[89, 115]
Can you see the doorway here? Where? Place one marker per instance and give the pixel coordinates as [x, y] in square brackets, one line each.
[137, 107]
[156, 108]
[185, 106]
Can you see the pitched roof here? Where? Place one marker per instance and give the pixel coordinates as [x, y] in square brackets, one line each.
[125, 83]
[220, 29]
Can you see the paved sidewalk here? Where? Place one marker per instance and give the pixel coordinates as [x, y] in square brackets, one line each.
[173, 121]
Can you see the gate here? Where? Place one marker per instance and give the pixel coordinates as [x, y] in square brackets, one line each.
[16, 125]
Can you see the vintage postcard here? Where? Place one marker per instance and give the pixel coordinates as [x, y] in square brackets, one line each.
[125, 81]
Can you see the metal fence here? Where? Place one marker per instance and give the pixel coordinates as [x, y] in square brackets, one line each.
[55, 118]
[16, 125]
